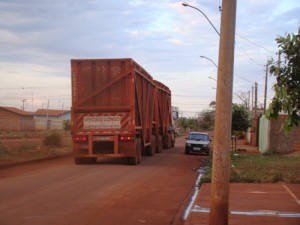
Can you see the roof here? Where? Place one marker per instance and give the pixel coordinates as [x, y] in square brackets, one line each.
[50, 112]
[17, 111]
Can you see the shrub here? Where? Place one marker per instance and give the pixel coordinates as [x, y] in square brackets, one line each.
[67, 124]
[3, 149]
[53, 139]
[268, 153]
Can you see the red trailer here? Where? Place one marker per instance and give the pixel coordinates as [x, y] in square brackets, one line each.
[113, 110]
[163, 116]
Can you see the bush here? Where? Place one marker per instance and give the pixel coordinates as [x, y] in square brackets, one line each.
[268, 153]
[3, 149]
[53, 139]
[67, 124]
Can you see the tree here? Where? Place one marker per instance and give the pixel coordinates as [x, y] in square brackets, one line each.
[67, 124]
[240, 119]
[206, 119]
[183, 122]
[243, 96]
[287, 87]
[212, 105]
[188, 123]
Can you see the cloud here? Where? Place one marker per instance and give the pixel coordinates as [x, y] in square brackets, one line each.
[38, 39]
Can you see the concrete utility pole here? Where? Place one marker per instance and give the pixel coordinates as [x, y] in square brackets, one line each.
[266, 86]
[248, 100]
[222, 133]
[23, 106]
[252, 105]
[255, 100]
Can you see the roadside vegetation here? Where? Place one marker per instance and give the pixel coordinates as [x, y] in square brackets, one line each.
[24, 149]
[267, 168]
[205, 119]
[287, 86]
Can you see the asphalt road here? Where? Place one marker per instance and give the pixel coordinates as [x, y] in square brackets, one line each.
[109, 192]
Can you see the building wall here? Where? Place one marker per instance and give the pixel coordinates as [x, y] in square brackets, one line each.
[281, 143]
[52, 124]
[263, 143]
[66, 116]
[13, 122]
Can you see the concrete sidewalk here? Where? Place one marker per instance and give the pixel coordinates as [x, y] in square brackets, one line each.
[251, 203]
[258, 204]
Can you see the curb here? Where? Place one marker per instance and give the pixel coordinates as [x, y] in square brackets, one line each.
[197, 186]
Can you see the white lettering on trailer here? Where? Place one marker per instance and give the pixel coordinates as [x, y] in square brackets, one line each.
[102, 122]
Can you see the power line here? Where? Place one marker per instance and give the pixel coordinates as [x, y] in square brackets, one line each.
[22, 88]
[258, 45]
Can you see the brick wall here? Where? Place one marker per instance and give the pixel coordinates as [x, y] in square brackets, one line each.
[281, 143]
[13, 122]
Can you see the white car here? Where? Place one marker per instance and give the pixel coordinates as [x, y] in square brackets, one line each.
[197, 142]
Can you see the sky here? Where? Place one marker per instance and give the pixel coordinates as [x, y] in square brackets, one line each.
[38, 38]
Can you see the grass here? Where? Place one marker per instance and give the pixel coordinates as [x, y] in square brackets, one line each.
[262, 169]
[54, 145]
[26, 153]
[29, 134]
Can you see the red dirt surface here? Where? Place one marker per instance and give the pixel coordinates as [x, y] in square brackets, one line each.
[109, 192]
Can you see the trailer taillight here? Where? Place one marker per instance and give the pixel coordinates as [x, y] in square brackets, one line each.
[126, 138]
[80, 138]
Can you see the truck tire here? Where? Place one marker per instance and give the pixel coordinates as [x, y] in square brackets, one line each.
[167, 142]
[138, 157]
[79, 160]
[173, 140]
[151, 149]
[160, 144]
[91, 160]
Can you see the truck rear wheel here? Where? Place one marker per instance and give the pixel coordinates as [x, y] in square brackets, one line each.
[138, 157]
[173, 140]
[160, 144]
[80, 160]
[91, 160]
[151, 149]
[167, 142]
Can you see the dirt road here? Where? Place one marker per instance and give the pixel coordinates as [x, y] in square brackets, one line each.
[109, 192]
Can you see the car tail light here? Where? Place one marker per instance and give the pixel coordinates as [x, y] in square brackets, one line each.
[126, 138]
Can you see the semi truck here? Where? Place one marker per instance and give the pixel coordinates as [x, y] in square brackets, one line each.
[118, 110]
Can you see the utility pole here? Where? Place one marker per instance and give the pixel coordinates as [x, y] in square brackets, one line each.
[248, 101]
[252, 105]
[23, 106]
[222, 133]
[47, 127]
[266, 86]
[255, 100]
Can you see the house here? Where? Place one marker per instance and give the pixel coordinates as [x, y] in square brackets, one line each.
[51, 119]
[14, 119]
